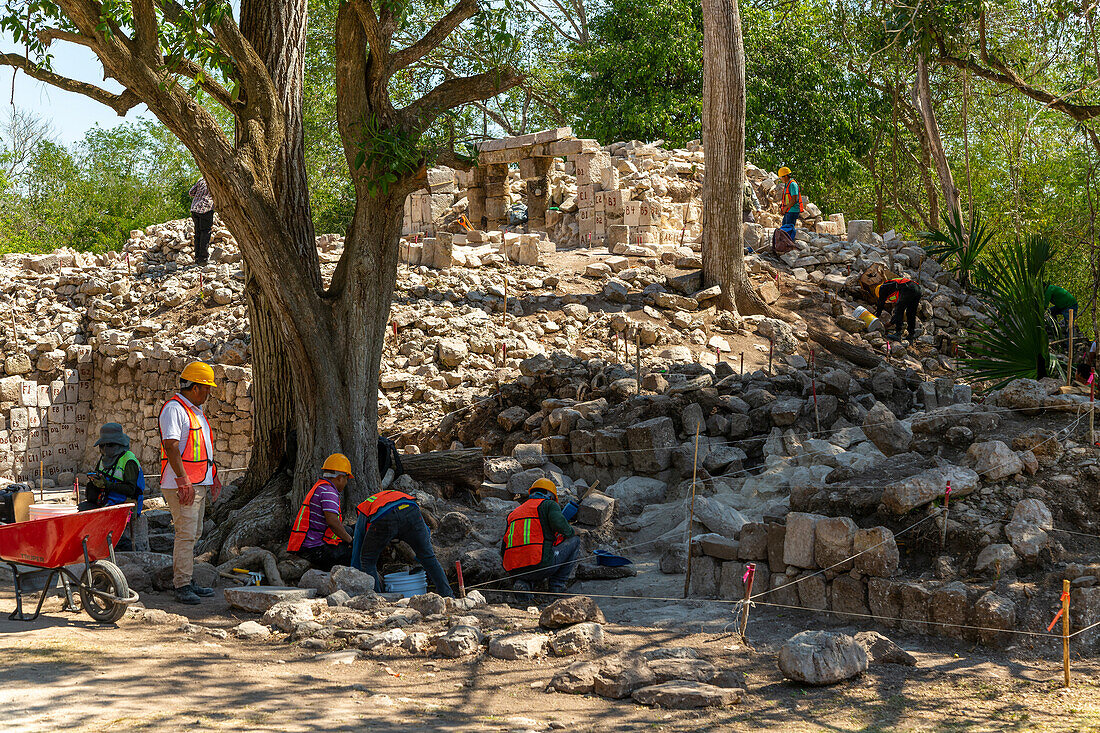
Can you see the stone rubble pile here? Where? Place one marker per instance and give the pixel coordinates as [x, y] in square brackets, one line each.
[98, 338]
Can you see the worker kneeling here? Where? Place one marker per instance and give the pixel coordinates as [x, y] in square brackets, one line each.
[390, 515]
[538, 542]
[318, 534]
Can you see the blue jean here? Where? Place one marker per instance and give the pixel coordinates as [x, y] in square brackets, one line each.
[560, 568]
[790, 219]
[403, 522]
[1063, 313]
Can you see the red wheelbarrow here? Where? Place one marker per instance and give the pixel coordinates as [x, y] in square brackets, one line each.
[50, 545]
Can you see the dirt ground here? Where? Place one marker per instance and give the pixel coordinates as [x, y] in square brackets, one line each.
[64, 672]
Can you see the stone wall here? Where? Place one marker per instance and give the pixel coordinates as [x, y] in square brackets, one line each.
[50, 419]
[789, 561]
[132, 394]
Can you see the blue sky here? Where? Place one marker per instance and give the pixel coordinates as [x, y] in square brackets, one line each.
[69, 114]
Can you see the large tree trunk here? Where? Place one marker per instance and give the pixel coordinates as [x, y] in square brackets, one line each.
[724, 148]
[922, 100]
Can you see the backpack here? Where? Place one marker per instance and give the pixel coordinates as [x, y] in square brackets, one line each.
[388, 457]
[781, 242]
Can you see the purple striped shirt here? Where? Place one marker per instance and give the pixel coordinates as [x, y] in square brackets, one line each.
[325, 499]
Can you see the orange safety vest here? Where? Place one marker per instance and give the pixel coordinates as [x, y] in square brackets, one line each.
[301, 523]
[194, 452]
[524, 539]
[788, 202]
[372, 506]
[900, 281]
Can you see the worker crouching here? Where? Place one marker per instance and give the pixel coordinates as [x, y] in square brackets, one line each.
[390, 515]
[905, 295]
[318, 533]
[116, 479]
[538, 542]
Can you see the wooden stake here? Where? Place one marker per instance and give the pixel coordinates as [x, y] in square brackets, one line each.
[750, 571]
[41, 476]
[1092, 409]
[504, 315]
[691, 512]
[638, 358]
[461, 581]
[1065, 629]
[771, 350]
[946, 509]
[742, 363]
[1069, 367]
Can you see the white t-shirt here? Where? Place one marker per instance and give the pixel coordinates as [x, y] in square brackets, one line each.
[175, 425]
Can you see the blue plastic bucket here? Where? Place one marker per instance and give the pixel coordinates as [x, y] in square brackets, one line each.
[570, 510]
[408, 584]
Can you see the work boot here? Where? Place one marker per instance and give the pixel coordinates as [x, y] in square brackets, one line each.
[914, 335]
[200, 591]
[184, 594]
[522, 593]
[893, 337]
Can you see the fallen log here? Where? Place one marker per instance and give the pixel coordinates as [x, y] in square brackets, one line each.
[855, 354]
[461, 467]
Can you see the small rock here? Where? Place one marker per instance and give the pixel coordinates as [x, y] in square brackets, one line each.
[576, 639]
[251, 630]
[821, 658]
[459, 641]
[687, 695]
[880, 650]
[519, 646]
[569, 611]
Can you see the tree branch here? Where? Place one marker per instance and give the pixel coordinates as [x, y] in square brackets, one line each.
[367, 18]
[1008, 77]
[120, 103]
[145, 29]
[456, 92]
[47, 36]
[554, 24]
[434, 37]
[191, 70]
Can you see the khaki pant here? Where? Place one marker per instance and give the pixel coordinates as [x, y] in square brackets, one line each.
[187, 521]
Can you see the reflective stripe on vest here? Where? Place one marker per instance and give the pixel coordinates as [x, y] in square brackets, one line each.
[372, 506]
[900, 281]
[524, 538]
[115, 473]
[194, 452]
[300, 527]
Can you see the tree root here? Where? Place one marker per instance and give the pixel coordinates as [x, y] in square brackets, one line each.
[253, 558]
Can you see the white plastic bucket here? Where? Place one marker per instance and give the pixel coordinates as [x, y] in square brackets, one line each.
[413, 583]
[45, 511]
[864, 315]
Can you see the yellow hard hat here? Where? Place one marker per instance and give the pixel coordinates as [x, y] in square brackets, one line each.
[544, 484]
[199, 373]
[784, 171]
[338, 462]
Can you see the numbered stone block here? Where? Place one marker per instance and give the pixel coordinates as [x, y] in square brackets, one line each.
[44, 395]
[28, 394]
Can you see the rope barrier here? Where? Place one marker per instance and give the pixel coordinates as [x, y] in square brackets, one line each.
[738, 603]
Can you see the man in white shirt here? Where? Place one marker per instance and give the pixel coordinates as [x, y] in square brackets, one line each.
[188, 474]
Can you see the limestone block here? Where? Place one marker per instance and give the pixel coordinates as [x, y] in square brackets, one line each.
[848, 595]
[28, 394]
[833, 538]
[860, 231]
[798, 545]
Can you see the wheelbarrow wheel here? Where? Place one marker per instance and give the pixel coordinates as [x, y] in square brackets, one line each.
[105, 577]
